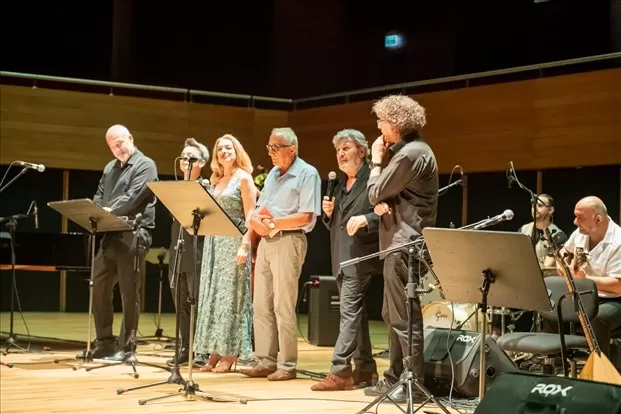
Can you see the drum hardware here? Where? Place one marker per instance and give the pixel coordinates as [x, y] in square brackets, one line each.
[444, 314]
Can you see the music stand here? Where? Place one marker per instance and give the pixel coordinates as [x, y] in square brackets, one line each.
[94, 219]
[198, 212]
[468, 262]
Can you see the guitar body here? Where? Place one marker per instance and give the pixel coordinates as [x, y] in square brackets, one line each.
[599, 368]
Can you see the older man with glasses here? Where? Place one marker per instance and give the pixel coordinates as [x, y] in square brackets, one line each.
[287, 209]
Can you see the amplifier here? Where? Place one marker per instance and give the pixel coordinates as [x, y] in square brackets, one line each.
[464, 350]
[324, 316]
[527, 393]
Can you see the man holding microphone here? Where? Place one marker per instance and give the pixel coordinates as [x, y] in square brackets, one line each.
[353, 227]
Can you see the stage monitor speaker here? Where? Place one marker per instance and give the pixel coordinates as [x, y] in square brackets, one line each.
[527, 393]
[463, 362]
[324, 315]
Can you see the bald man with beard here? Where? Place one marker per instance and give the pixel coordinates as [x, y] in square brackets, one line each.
[600, 237]
[123, 191]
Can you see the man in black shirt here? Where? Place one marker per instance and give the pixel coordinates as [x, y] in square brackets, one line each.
[405, 195]
[353, 233]
[187, 269]
[123, 191]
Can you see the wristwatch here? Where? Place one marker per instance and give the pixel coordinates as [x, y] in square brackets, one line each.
[374, 164]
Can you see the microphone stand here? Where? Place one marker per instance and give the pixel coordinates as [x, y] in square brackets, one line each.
[11, 224]
[22, 172]
[534, 200]
[451, 185]
[412, 292]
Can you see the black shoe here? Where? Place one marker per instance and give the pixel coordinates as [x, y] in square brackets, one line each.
[378, 389]
[200, 359]
[104, 349]
[118, 356]
[184, 357]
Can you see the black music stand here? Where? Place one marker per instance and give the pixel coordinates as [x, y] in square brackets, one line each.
[198, 212]
[468, 262]
[95, 219]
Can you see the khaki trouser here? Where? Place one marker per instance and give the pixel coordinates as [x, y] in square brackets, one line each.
[277, 270]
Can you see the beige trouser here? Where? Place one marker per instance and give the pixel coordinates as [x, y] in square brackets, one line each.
[277, 270]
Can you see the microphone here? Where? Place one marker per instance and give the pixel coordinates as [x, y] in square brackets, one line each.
[506, 215]
[36, 215]
[191, 160]
[331, 184]
[38, 167]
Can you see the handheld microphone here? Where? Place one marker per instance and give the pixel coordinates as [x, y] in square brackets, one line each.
[331, 184]
[38, 167]
[506, 215]
[36, 216]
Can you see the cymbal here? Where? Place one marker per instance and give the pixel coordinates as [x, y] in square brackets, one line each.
[154, 252]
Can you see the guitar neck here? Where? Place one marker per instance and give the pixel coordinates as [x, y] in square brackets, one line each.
[584, 320]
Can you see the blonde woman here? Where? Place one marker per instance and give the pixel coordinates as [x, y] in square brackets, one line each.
[224, 319]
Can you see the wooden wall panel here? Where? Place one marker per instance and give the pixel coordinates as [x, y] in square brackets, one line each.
[65, 129]
[564, 121]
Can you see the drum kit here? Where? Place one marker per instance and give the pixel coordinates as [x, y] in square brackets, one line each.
[440, 313]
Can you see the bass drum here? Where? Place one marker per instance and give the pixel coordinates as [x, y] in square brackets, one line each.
[439, 314]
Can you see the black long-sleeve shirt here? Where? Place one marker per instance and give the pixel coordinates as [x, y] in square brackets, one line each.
[409, 185]
[124, 189]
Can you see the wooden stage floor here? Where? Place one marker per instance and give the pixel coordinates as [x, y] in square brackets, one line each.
[37, 384]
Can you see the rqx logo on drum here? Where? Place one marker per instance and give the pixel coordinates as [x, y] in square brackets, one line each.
[467, 338]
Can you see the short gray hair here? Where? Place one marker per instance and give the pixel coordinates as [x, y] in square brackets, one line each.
[288, 135]
[356, 136]
[192, 142]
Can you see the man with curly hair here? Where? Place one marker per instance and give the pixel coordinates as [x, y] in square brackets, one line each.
[405, 196]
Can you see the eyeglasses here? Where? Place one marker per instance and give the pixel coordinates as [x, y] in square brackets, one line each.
[276, 147]
[379, 122]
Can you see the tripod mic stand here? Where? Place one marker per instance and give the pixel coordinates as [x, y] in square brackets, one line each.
[11, 341]
[411, 291]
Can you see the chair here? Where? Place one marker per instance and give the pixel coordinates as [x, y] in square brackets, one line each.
[563, 311]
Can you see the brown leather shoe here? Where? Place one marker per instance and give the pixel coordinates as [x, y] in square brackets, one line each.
[334, 383]
[257, 371]
[282, 375]
[365, 379]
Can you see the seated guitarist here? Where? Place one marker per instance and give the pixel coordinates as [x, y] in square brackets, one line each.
[597, 242]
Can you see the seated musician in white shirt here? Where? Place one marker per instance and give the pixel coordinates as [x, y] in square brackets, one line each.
[600, 237]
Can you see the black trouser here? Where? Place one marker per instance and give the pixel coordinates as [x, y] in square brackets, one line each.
[185, 282]
[116, 262]
[394, 313]
[353, 340]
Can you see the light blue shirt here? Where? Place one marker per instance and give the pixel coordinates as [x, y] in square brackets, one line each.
[296, 191]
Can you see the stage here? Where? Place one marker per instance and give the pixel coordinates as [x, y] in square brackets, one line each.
[37, 384]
